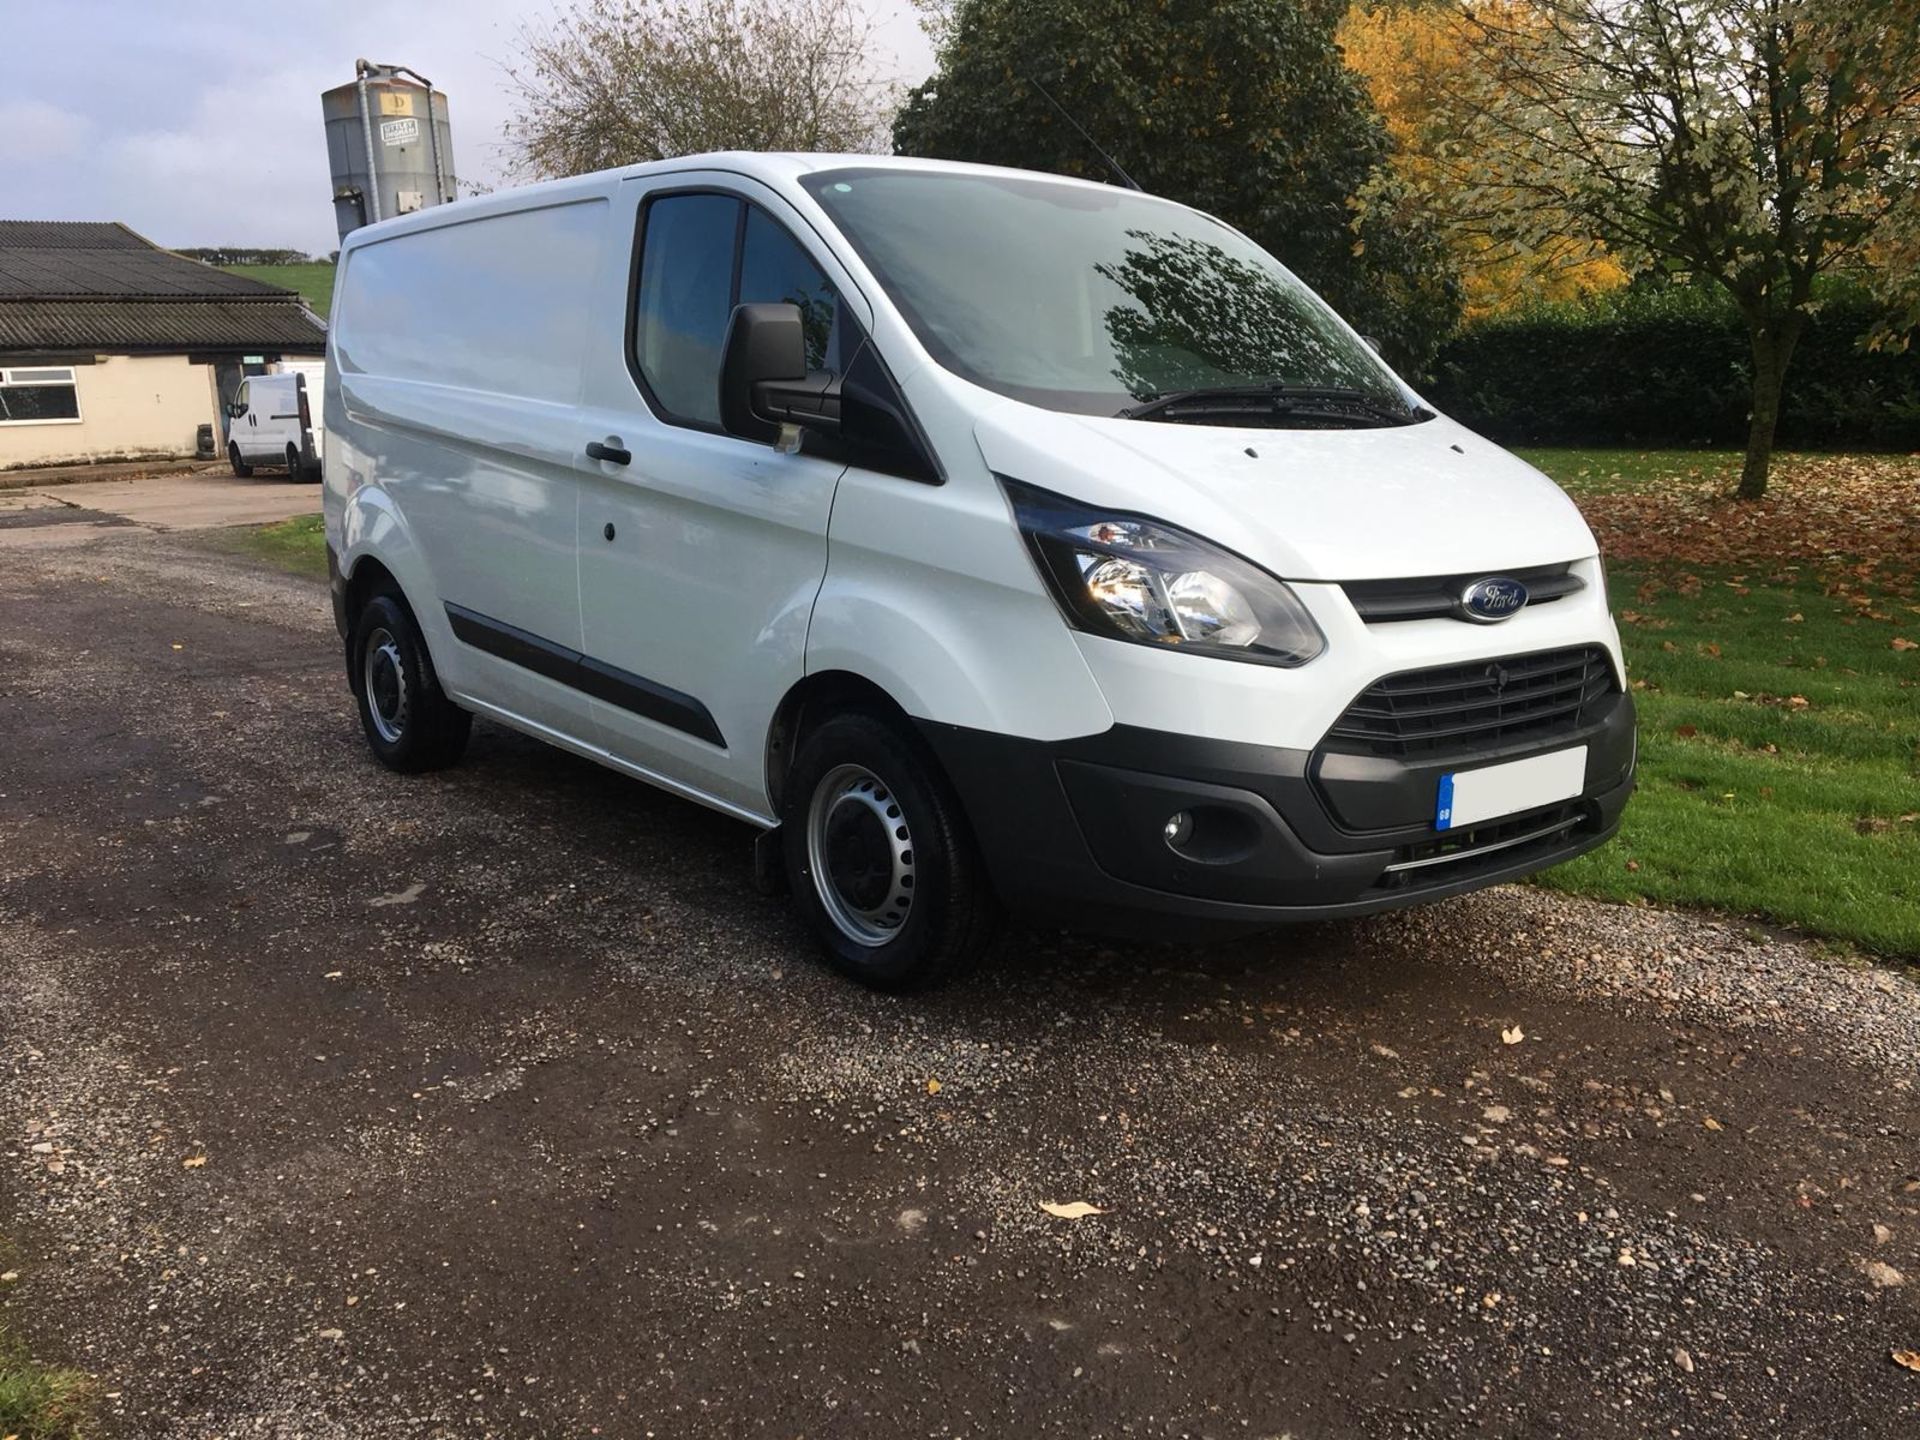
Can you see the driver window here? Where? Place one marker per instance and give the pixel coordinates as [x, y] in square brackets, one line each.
[702, 253]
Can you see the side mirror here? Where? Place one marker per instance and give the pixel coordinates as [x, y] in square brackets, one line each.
[1373, 344]
[764, 383]
[236, 409]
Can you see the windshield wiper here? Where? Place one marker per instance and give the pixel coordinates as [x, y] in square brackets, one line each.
[1270, 401]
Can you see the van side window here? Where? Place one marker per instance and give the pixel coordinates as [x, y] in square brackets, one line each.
[240, 395]
[700, 255]
[774, 268]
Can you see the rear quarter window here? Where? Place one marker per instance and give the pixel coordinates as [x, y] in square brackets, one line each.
[499, 304]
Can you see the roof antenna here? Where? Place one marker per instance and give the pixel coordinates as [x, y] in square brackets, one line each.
[1112, 164]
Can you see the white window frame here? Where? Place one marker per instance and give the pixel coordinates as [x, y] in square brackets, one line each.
[7, 380]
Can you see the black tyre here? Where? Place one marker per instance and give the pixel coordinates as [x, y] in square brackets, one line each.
[411, 725]
[879, 859]
[240, 467]
[294, 469]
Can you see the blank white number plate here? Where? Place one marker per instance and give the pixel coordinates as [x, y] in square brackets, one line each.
[1469, 796]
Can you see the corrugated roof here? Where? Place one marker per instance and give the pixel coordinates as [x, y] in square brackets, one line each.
[73, 285]
[37, 272]
[127, 325]
[70, 235]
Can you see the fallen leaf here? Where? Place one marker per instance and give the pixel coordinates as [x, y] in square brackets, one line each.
[194, 1162]
[1883, 1275]
[1686, 732]
[1683, 1359]
[1900, 642]
[1907, 1359]
[9, 1277]
[1712, 1124]
[933, 1087]
[1072, 1210]
[1512, 1036]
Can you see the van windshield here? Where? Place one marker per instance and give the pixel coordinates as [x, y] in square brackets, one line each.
[1102, 301]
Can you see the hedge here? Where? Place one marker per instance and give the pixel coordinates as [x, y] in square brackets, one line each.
[1669, 366]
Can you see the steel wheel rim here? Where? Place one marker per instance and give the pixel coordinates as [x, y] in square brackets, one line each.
[860, 854]
[384, 676]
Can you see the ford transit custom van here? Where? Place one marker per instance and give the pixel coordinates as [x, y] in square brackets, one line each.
[991, 541]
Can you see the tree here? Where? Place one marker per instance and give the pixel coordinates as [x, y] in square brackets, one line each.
[1238, 107]
[1410, 53]
[1753, 144]
[616, 82]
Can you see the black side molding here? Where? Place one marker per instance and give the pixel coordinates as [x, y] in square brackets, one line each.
[609, 683]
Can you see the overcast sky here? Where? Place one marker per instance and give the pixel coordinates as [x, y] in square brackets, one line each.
[198, 123]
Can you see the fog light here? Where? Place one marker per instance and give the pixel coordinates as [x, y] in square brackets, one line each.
[1179, 829]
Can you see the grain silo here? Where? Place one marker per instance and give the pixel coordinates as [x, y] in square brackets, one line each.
[389, 145]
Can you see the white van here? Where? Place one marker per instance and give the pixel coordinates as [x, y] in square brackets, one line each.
[992, 541]
[270, 422]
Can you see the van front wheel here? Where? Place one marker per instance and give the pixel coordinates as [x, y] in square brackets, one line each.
[240, 467]
[879, 860]
[411, 725]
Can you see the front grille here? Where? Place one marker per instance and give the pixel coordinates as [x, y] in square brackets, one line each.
[1477, 705]
[1380, 601]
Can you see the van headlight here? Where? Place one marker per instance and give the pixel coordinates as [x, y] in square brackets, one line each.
[1128, 578]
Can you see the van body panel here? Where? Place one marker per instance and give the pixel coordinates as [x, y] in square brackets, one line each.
[474, 439]
[1429, 499]
[718, 545]
[966, 640]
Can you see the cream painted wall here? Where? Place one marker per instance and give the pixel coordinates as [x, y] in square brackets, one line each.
[131, 407]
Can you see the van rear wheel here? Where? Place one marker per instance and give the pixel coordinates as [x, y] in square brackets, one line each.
[879, 859]
[410, 723]
[240, 467]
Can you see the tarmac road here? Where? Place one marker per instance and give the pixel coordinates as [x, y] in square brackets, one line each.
[496, 1103]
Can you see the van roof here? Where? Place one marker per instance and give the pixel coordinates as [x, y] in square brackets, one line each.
[776, 168]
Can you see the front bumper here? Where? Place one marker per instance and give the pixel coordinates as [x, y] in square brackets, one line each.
[1074, 831]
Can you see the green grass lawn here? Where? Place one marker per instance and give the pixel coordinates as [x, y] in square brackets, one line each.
[1779, 727]
[298, 546]
[314, 281]
[40, 1403]
[37, 1401]
[1587, 471]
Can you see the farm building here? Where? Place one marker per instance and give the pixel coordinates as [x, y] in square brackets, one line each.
[114, 349]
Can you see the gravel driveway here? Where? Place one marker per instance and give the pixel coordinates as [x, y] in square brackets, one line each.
[337, 1104]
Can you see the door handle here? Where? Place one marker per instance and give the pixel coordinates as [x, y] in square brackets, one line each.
[613, 454]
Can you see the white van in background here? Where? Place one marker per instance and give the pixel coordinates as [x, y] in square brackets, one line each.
[986, 539]
[270, 422]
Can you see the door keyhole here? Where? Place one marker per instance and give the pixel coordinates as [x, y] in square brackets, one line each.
[608, 530]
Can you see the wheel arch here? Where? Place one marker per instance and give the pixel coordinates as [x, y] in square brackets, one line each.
[815, 697]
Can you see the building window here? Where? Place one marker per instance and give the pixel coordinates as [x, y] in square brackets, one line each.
[42, 396]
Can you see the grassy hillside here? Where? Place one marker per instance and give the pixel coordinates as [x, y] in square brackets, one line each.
[314, 281]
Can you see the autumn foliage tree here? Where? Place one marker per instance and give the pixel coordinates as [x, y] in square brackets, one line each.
[617, 82]
[1412, 54]
[1242, 108]
[1752, 144]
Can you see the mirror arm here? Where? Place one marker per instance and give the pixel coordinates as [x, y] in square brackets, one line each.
[812, 403]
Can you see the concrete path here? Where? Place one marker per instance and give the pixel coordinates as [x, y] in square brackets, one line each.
[58, 514]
